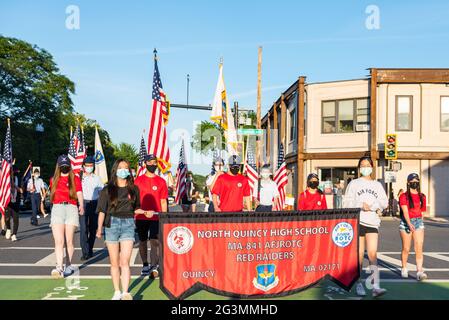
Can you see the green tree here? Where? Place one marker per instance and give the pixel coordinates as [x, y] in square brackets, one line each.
[128, 152]
[34, 92]
[207, 135]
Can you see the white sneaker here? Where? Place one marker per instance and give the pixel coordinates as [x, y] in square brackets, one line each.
[377, 292]
[360, 290]
[127, 296]
[420, 276]
[117, 295]
[13, 237]
[68, 271]
[155, 271]
[38, 216]
[8, 234]
[57, 273]
[404, 273]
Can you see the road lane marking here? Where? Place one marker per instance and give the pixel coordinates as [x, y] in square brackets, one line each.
[395, 261]
[436, 256]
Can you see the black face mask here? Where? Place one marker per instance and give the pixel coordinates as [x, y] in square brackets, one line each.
[65, 169]
[414, 185]
[152, 168]
[234, 170]
[313, 184]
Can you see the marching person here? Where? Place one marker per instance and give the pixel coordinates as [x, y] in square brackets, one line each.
[312, 198]
[212, 178]
[35, 185]
[153, 199]
[92, 185]
[65, 194]
[187, 200]
[44, 192]
[265, 191]
[413, 204]
[369, 195]
[118, 203]
[12, 211]
[232, 189]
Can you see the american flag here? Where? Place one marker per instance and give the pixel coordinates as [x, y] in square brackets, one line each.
[77, 150]
[157, 133]
[5, 175]
[280, 177]
[181, 173]
[142, 153]
[250, 168]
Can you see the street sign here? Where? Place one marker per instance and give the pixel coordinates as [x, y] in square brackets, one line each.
[390, 176]
[396, 166]
[250, 132]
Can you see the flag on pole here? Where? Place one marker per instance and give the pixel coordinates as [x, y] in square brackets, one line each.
[251, 168]
[222, 115]
[181, 174]
[100, 161]
[77, 150]
[5, 175]
[157, 133]
[142, 153]
[280, 177]
[26, 177]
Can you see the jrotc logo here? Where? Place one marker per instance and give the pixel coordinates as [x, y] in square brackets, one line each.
[239, 185]
[154, 188]
[180, 240]
[342, 234]
[266, 278]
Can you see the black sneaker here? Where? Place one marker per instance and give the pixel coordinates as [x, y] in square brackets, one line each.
[146, 271]
[3, 232]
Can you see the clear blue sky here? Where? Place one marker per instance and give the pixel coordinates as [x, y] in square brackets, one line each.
[110, 57]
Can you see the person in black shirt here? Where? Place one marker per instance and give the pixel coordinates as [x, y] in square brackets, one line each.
[117, 204]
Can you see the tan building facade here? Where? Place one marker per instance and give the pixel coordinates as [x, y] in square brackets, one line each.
[340, 121]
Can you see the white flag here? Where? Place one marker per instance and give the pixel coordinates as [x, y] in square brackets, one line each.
[100, 162]
[222, 115]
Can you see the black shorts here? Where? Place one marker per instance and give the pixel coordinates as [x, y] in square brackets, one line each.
[147, 229]
[364, 230]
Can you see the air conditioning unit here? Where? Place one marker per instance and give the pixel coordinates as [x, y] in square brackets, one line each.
[362, 127]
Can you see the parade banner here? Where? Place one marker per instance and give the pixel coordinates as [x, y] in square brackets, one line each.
[252, 254]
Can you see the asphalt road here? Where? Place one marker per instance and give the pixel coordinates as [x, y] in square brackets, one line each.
[32, 255]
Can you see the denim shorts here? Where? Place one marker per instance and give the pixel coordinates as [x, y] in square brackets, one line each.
[65, 214]
[418, 223]
[122, 229]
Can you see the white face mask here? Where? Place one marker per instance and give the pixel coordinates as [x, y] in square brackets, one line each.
[89, 169]
[366, 171]
[265, 175]
[36, 175]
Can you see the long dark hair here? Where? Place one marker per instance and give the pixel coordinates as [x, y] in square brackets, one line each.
[113, 186]
[367, 158]
[409, 196]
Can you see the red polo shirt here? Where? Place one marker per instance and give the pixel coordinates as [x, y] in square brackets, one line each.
[152, 191]
[417, 211]
[231, 190]
[62, 193]
[312, 201]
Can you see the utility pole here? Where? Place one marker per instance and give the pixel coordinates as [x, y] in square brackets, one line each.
[259, 106]
[188, 84]
[236, 115]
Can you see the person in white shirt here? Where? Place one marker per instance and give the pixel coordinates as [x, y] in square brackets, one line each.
[368, 195]
[34, 187]
[265, 193]
[210, 181]
[92, 185]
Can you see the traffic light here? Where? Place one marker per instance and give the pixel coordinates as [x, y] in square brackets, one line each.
[391, 147]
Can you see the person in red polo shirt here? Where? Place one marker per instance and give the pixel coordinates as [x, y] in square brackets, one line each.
[312, 198]
[66, 195]
[232, 189]
[413, 204]
[153, 199]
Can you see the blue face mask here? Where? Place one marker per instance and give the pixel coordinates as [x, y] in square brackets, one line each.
[122, 173]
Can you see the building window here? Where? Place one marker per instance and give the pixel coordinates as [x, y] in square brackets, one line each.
[293, 125]
[329, 117]
[404, 113]
[444, 125]
[345, 116]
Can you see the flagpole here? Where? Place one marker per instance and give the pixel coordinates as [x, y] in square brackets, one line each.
[259, 104]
